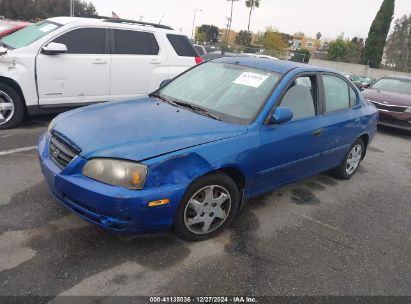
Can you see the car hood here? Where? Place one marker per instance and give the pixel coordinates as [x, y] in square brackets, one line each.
[386, 97]
[139, 129]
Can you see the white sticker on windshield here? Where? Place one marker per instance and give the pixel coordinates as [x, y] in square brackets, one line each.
[250, 79]
[47, 28]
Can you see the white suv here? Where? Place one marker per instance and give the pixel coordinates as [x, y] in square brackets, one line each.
[64, 62]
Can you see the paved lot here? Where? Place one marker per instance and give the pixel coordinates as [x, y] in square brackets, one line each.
[319, 236]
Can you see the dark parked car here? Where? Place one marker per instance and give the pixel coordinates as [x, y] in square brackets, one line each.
[392, 96]
[361, 82]
[189, 154]
[8, 27]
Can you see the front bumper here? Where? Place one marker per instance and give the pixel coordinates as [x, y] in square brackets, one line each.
[399, 120]
[113, 208]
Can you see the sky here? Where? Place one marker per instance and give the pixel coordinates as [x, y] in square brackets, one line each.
[330, 17]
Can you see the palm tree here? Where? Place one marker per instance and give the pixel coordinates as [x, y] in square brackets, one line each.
[231, 16]
[251, 4]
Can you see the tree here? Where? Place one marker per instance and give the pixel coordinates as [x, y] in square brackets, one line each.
[252, 5]
[338, 49]
[273, 40]
[318, 35]
[243, 38]
[356, 47]
[397, 51]
[207, 33]
[43, 9]
[377, 36]
[346, 50]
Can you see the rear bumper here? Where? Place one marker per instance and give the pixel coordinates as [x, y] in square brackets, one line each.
[395, 119]
[113, 208]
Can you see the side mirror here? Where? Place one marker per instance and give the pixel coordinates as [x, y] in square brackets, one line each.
[54, 49]
[282, 115]
[165, 82]
[3, 50]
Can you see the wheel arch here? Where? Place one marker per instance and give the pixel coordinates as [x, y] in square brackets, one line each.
[232, 172]
[366, 139]
[15, 86]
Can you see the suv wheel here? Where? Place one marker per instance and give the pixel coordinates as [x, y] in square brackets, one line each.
[208, 206]
[11, 107]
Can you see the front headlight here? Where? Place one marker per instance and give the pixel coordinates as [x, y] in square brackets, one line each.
[408, 110]
[51, 125]
[115, 172]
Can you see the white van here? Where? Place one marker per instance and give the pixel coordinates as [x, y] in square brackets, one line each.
[65, 62]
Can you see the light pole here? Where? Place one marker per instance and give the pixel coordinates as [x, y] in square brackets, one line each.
[71, 8]
[194, 21]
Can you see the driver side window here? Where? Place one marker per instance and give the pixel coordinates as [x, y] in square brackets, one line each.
[301, 97]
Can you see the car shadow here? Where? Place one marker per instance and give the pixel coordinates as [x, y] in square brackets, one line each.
[395, 132]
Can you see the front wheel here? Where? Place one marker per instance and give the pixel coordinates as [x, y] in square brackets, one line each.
[351, 161]
[208, 206]
[11, 107]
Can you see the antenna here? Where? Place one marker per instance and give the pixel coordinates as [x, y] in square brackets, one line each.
[162, 17]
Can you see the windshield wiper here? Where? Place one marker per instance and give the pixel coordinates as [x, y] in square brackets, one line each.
[162, 98]
[197, 109]
[2, 44]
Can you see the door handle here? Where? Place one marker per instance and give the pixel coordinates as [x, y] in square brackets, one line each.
[155, 61]
[100, 61]
[317, 133]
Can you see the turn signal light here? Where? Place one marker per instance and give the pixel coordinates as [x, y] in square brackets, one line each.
[159, 203]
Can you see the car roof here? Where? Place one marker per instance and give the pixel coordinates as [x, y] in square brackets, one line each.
[106, 21]
[399, 77]
[15, 22]
[278, 66]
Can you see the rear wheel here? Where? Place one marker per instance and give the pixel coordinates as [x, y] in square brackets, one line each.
[351, 161]
[208, 206]
[11, 107]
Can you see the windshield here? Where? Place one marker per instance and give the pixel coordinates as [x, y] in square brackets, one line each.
[29, 34]
[365, 79]
[235, 93]
[402, 86]
[4, 26]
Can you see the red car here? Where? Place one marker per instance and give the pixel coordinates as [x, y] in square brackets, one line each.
[392, 96]
[8, 27]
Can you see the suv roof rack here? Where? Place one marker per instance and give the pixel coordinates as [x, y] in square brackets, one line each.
[120, 20]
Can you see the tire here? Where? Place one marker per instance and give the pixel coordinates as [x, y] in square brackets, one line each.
[346, 169]
[197, 210]
[12, 108]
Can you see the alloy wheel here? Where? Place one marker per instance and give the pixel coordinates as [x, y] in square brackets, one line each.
[207, 209]
[354, 159]
[6, 107]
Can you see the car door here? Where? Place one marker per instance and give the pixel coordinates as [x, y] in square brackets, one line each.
[341, 117]
[82, 75]
[292, 150]
[138, 64]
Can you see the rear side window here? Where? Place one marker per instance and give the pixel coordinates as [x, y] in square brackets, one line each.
[199, 50]
[135, 43]
[84, 41]
[337, 94]
[182, 45]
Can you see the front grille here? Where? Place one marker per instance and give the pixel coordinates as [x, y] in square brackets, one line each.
[390, 108]
[61, 153]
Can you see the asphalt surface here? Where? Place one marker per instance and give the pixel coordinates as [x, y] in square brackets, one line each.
[320, 236]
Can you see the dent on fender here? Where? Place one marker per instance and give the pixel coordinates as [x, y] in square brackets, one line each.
[169, 171]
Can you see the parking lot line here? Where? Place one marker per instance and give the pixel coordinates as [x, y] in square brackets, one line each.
[7, 152]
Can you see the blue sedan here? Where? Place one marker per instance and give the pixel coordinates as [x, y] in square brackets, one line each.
[188, 155]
